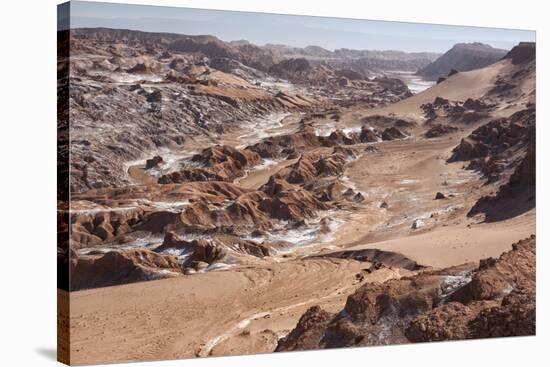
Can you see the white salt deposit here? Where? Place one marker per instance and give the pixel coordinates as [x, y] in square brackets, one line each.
[418, 224]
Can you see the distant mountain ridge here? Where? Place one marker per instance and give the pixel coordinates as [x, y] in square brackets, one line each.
[367, 62]
[462, 57]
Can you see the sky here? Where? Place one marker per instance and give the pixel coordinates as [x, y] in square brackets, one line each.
[292, 30]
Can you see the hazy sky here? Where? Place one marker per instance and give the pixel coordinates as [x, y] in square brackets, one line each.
[300, 31]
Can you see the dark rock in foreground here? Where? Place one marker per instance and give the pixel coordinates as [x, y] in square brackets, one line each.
[495, 299]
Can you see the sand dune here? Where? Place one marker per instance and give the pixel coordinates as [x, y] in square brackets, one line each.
[460, 86]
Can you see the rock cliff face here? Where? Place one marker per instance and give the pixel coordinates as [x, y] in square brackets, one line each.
[462, 57]
[523, 53]
[495, 299]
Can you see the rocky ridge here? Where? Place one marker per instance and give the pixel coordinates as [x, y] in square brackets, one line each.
[495, 299]
[176, 88]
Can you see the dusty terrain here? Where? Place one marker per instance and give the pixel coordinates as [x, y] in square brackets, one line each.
[250, 232]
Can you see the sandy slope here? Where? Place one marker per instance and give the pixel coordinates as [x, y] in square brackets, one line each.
[408, 185]
[459, 243]
[460, 86]
[189, 316]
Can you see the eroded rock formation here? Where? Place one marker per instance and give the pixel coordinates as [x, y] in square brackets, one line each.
[495, 299]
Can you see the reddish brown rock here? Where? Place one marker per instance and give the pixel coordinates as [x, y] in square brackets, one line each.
[240, 245]
[276, 185]
[439, 130]
[516, 316]
[226, 162]
[368, 135]
[122, 267]
[499, 300]
[294, 205]
[449, 321]
[191, 175]
[332, 165]
[308, 332]
[392, 133]
[207, 252]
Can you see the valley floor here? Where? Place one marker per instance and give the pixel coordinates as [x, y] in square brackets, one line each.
[246, 309]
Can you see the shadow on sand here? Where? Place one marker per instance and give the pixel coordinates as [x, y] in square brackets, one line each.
[497, 209]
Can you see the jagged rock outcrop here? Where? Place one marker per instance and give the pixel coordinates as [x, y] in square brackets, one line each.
[515, 196]
[292, 69]
[332, 165]
[374, 122]
[282, 145]
[498, 301]
[339, 137]
[172, 241]
[190, 175]
[439, 130]
[302, 171]
[312, 167]
[325, 190]
[524, 175]
[495, 299]
[294, 205]
[207, 252]
[368, 135]
[487, 147]
[396, 86]
[217, 163]
[456, 112]
[276, 185]
[122, 267]
[226, 159]
[97, 225]
[347, 152]
[202, 218]
[522, 53]
[392, 133]
[213, 250]
[308, 332]
[153, 162]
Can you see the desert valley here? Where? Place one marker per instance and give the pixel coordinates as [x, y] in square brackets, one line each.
[228, 198]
